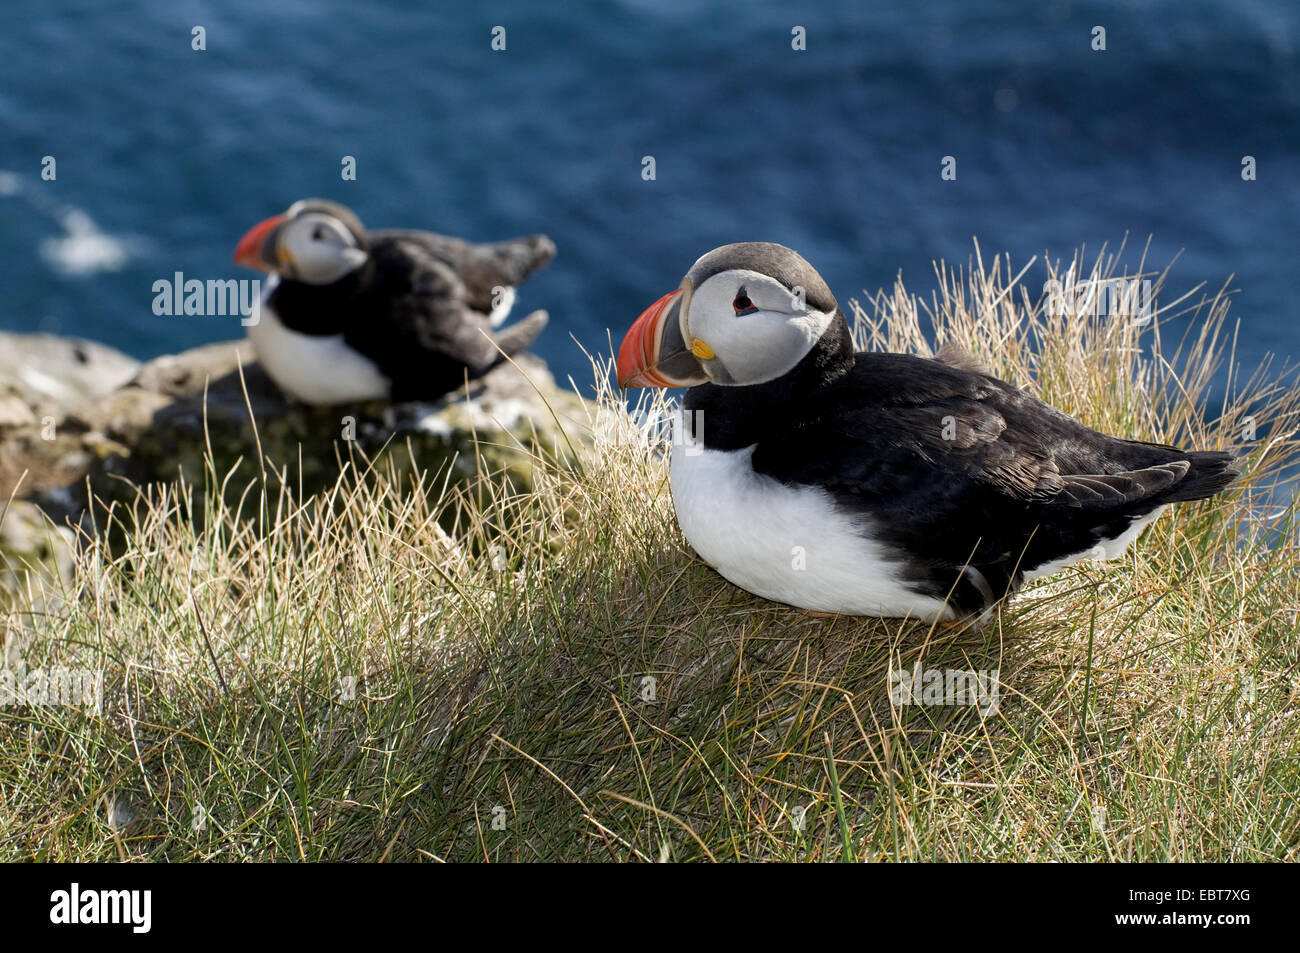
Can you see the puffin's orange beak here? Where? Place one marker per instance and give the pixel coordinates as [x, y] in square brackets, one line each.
[654, 352]
[250, 250]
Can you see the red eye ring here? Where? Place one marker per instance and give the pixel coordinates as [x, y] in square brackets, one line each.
[742, 304]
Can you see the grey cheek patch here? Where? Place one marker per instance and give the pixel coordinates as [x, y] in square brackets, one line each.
[269, 245]
[671, 340]
[718, 372]
[675, 358]
[681, 365]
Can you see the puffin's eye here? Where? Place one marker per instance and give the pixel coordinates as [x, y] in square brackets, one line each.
[319, 233]
[742, 304]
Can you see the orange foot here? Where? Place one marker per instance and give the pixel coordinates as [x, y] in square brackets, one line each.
[976, 622]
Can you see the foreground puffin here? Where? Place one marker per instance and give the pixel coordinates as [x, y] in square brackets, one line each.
[351, 315]
[876, 484]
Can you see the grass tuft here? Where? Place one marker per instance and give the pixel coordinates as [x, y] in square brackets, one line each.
[399, 670]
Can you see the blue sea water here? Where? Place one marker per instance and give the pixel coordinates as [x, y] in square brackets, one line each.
[166, 155]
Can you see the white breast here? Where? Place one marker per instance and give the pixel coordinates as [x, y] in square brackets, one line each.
[315, 370]
[787, 544]
[1107, 549]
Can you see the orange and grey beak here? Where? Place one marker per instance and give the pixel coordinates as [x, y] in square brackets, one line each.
[256, 249]
[654, 353]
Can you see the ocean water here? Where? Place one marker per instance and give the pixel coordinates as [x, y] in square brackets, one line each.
[166, 155]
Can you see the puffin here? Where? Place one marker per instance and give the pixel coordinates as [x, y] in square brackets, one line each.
[871, 483]
[402, 315]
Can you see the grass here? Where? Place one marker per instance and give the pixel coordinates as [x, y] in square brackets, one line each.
[556, 677]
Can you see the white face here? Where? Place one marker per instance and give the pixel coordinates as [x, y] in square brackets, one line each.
[756, 328]
[317, 248]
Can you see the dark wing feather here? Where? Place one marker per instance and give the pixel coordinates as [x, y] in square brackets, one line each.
[481, 268]
[415, 320]
[1111, 491]
[426, 303]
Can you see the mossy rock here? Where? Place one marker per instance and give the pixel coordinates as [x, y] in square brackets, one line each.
[162, 426]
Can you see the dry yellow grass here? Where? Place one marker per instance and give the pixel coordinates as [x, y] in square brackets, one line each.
[396, 672]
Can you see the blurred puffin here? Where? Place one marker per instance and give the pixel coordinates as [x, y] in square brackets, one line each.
[350, 315]
[876, 484]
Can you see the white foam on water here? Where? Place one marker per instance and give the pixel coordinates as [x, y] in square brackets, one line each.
[83, 249]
